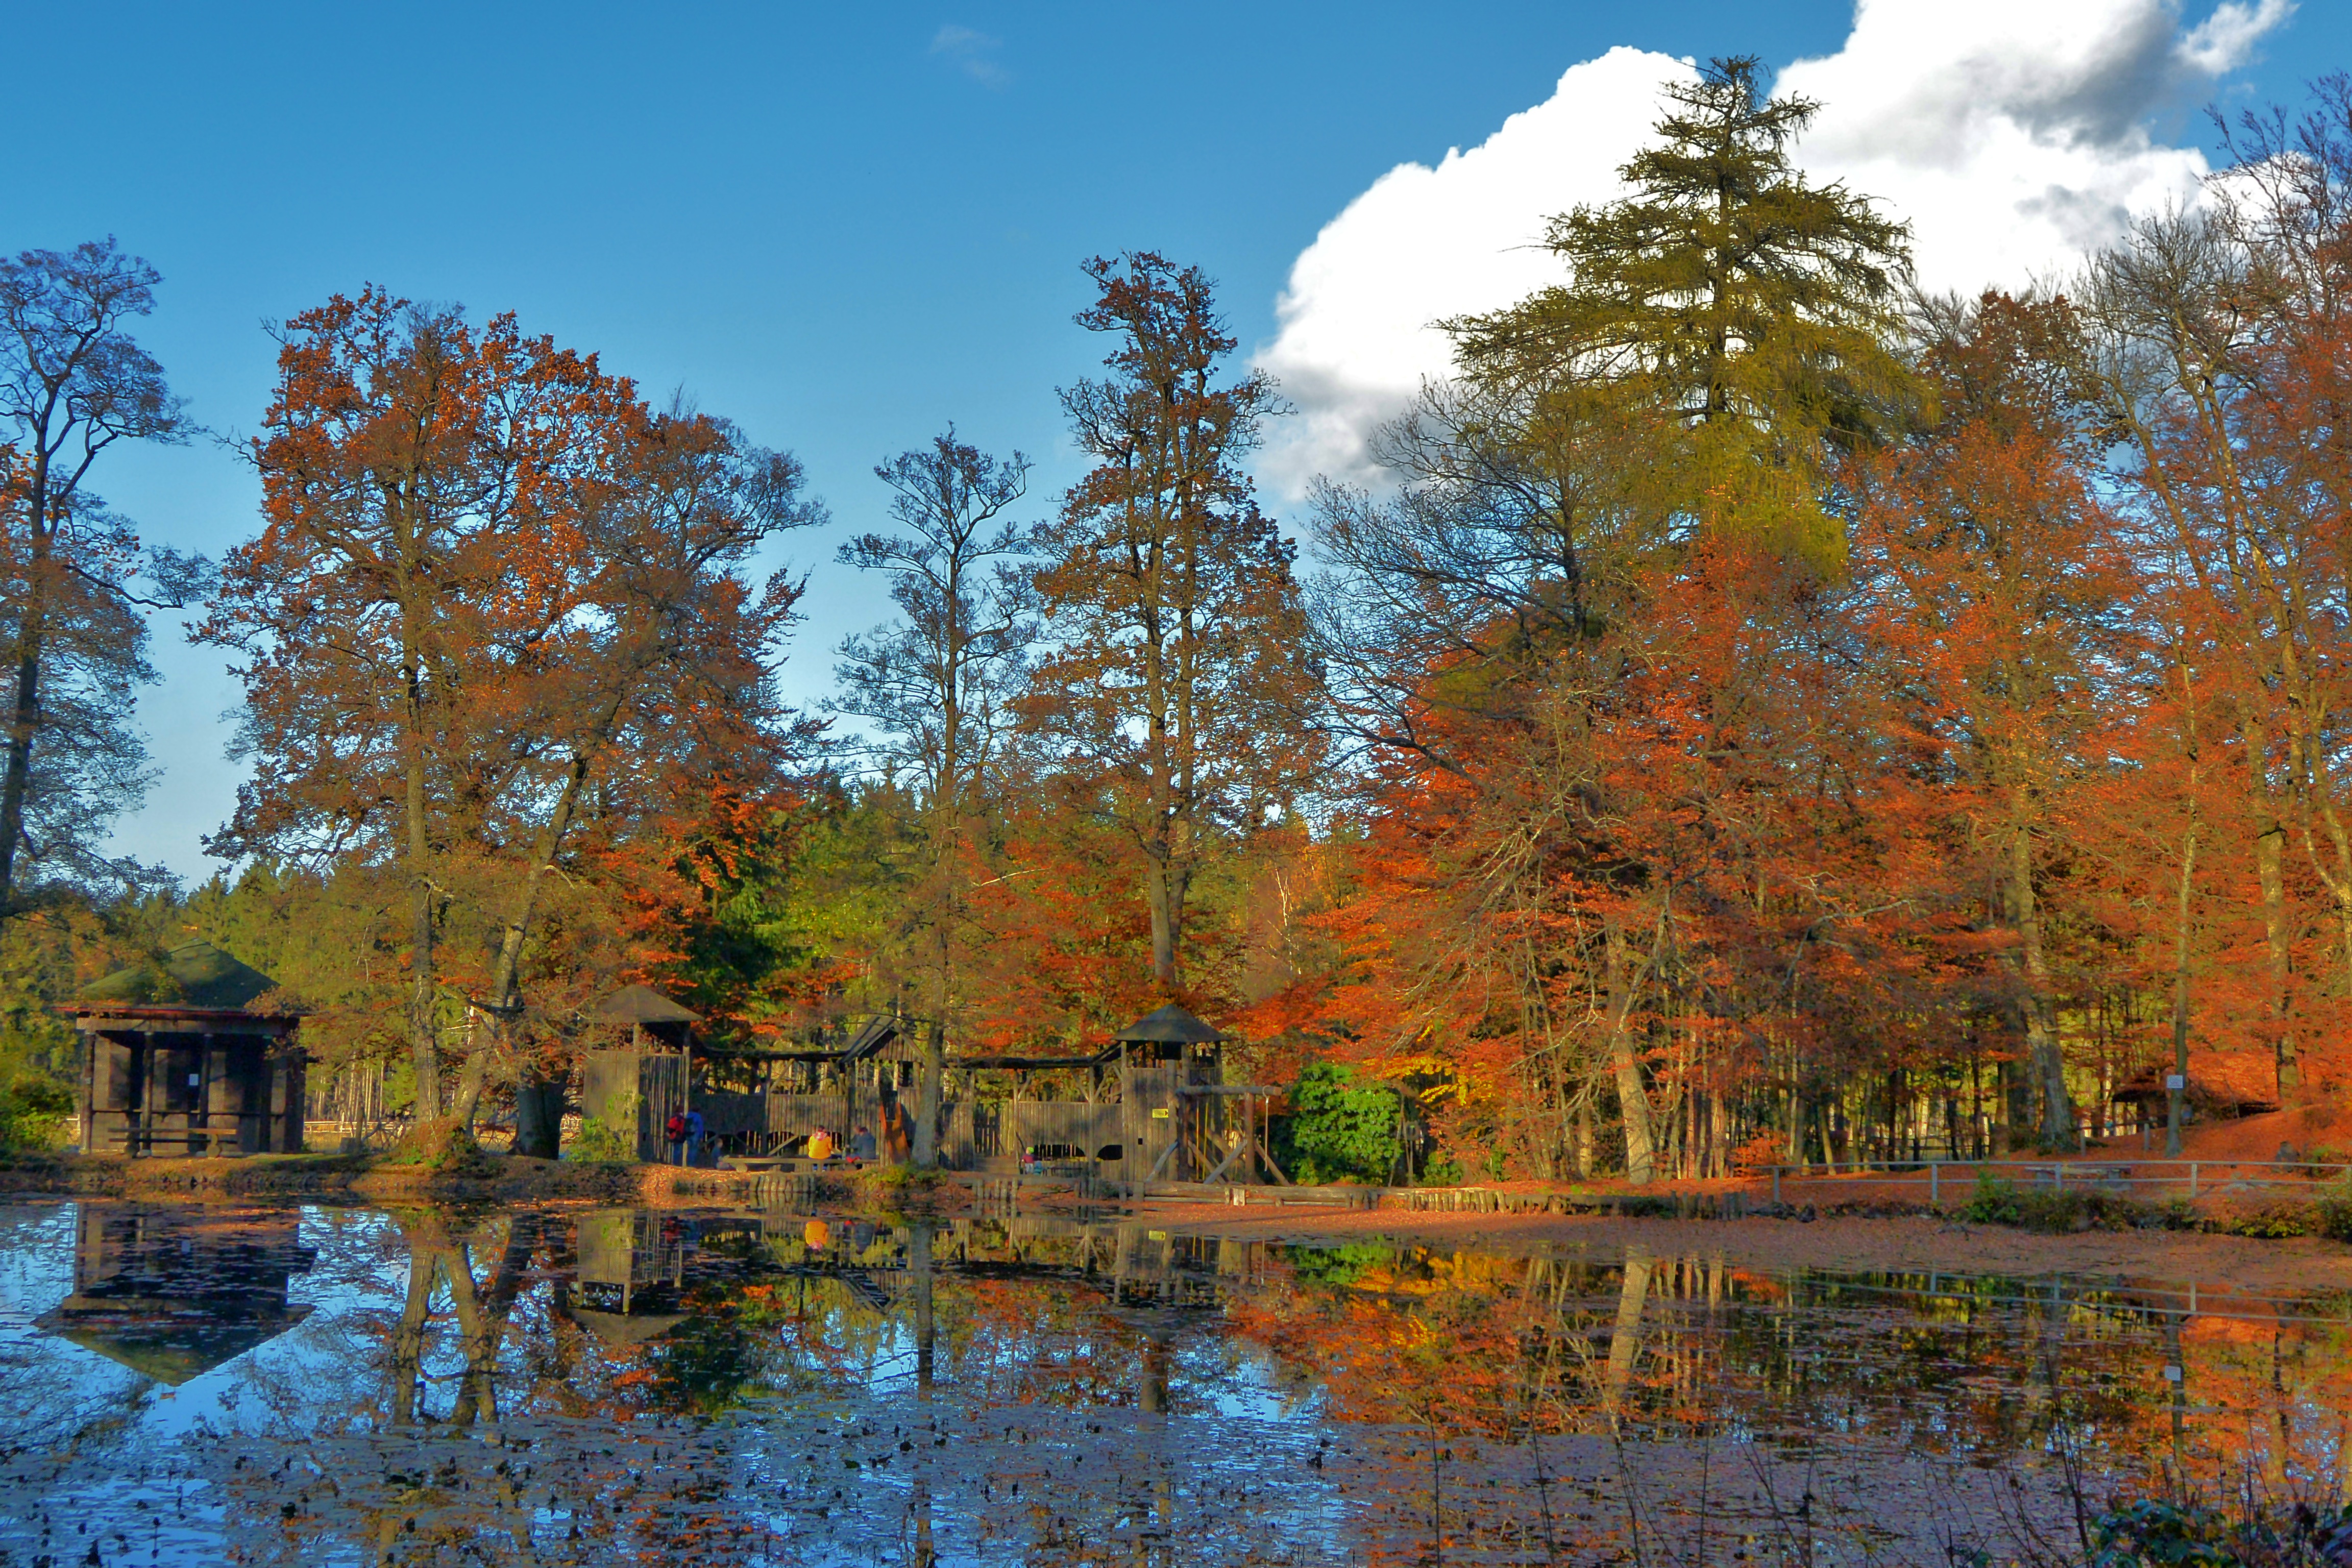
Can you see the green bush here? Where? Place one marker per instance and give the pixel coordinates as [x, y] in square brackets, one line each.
[596, 1143]
[1338, 1266]
[2192, 1535]
[1339, 1129]
[2055, 1211]
[2335, 1217]
[443, 1147]
[1993, 1202]
[1443, 1172]
[32, 1113]
[2162, 1535]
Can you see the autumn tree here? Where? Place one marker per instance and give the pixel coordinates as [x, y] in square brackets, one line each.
[489, 582]
[2222, 344]
[1754, 316]
[74, 383]
[935, 686]
[395, 453]
[1997, 584]
[635, 667]
[1517, 627]
[1175, 695]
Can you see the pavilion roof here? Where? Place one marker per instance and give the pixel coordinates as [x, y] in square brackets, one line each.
[194, 975]
[1170, 1025]
[642, 1005]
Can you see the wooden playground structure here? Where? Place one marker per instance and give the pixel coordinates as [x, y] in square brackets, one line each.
[1152, 1104]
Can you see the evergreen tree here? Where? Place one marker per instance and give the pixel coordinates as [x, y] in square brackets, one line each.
[1753, 316]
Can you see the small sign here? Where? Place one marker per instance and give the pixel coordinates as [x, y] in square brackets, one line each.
[1160, 1114]
[2172, 1374]
[2173, 1081]
[196, 1080]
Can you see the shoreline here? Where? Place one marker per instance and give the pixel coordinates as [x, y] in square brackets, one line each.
[1864, 1237]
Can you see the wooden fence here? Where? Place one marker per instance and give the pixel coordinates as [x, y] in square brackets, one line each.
[1938, 1179]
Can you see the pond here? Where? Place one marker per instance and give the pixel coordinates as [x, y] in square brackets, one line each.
[325, 1385]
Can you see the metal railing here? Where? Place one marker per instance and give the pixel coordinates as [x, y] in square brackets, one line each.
[2192, 1177]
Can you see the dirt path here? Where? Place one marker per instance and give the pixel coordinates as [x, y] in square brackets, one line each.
[2219, 1264]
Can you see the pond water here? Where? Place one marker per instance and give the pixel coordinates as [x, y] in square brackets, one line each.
[329, 1385]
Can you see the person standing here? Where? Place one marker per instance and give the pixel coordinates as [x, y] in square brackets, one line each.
[694, 1155]
[673, 1134]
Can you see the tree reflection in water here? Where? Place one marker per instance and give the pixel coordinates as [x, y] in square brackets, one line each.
[590, 1387]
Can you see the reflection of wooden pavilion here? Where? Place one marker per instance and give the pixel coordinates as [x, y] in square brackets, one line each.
[627, 1272]
[173, 1295]
[175, 1058]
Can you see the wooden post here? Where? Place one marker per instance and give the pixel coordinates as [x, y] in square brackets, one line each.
[212, 1072]
[147, 1097]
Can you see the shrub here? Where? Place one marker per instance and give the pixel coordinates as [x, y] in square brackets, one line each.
[2155, 1533]
[1339, 1129]
[596, 1143]
[443, 1147]
[1993, 1202]
[1338, 1266]
[2193, 1535]
[31, 1109]
[1444, 1171]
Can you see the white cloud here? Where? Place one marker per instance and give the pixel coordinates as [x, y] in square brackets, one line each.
[1424, 244]
[2010, 133]
[973, 53]
[2222, 41]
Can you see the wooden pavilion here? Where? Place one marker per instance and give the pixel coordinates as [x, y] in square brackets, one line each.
[173, 1293]
[633, 1089]
[175, 1058]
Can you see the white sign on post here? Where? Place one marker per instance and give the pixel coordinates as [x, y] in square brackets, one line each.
[2175, 1080]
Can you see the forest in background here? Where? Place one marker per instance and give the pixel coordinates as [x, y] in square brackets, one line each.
[1770, 713]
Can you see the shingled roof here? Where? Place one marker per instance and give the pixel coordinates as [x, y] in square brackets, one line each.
[195, 977]
[1170, 1025]
[642, 1005]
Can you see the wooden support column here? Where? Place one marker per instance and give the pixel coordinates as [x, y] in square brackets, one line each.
[274, 1140]
[210, 1096]
[92, 1044]
[150, 1077]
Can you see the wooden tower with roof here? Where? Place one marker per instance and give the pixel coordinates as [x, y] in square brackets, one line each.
[177, 1060]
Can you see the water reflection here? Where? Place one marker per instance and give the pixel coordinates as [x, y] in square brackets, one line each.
[172, 1293]
[573, 1386]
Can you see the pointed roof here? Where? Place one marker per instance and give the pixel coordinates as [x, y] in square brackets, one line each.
[642, 1005]
[171, 1347]
[1169, 1026]
[194, 975]
[620, 1331]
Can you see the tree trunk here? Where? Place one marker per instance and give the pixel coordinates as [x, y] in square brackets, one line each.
[1160, 896]
[1632, 1099]
[2055, 1107]
[504, 1002]
[2270, 855]
[424, 1044]
[927, 1096]
[27, 716]
[2174, 1094]
[539, 1117]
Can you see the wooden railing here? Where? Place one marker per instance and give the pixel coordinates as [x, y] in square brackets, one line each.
[2192, 1178]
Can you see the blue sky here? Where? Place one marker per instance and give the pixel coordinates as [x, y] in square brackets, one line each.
[842, 226]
